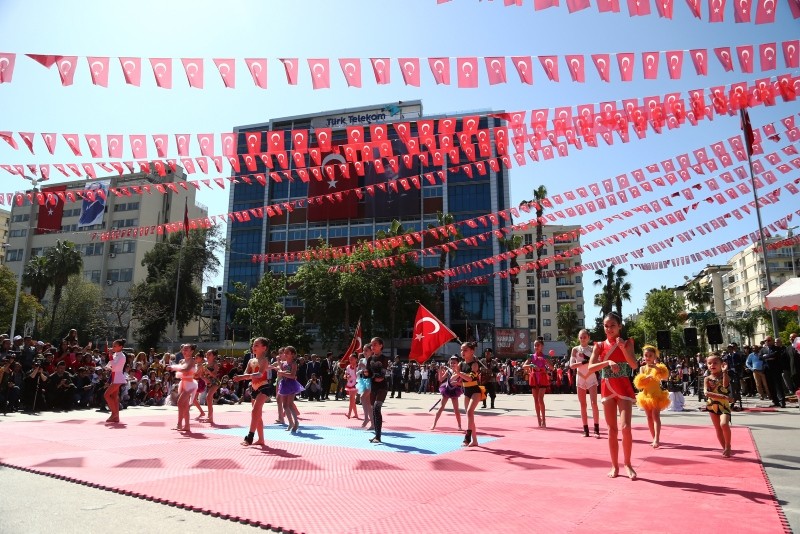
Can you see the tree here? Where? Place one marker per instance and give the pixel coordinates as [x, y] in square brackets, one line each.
[512, 242]
[81, 307]
[699, 294]
[197, 255]
[539, 194]
[63, 261]
[745, 326]
[28, 308]
[615, 289]
[36, 276]
[661, 311]
[568, 325]
[622, 289]
[266, 315]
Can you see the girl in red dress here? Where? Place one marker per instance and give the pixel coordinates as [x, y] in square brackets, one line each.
[539, 379]
[615, 360]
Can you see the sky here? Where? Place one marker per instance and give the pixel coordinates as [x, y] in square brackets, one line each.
[36, 102]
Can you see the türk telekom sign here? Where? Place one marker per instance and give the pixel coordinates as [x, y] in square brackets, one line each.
[367, 117]
[512, 341]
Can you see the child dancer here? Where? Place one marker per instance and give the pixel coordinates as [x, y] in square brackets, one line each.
[586, 382]
[450, 389]
[468, 371]
[259, 372]
[363, 387]
[651, 398]
[350, 386]
[615, 359]
[289, 387]
[188, 387]
[718, 403]
[210, 373]
[539, 380]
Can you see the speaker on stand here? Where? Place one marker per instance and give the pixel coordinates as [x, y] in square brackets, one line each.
[690, 337]
[714, 334]
[663, 341]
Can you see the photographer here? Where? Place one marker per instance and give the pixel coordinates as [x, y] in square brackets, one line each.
[6, 370]
[34, 387]
[60, 388]
[84, 389]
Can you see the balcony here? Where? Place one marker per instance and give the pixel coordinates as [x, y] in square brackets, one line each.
[564, 282]
[561, 297]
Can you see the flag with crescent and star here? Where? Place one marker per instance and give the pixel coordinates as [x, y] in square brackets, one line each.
[354, 348]
[51, 210]
[429, 334]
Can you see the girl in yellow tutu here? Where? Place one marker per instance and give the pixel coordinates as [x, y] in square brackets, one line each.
[651, 398]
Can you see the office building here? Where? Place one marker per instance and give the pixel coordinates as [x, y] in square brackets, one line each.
[5, 219]
[349, 219]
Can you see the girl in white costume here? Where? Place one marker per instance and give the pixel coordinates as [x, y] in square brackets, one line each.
[585, 382]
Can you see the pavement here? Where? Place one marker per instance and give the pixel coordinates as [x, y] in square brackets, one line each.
[34, 503]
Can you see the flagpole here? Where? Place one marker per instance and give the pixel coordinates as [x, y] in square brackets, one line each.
[175, 307]
[748, 143]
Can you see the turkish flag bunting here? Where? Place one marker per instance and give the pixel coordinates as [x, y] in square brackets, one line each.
[665, 8]
[427, 339]
[674, 63]
[160, 140]
[716, 10]
[745, 54]
[72, 142]
[194, 71]
[98, 68]
[765, 11]
[409, 66]
[351, 68]
[496, 70]
[741, 10]
[440, 68]
[650, 65]
[694, 5]
[467, 72]
[66, 68]
[7, 62]
[206, 142]
[575, 64]
[290, 65]
[354, 348]
[724, 55]
[138, 146]
[382, 68]
[524, 66]
[602, 62]
[639, 7]
[577, 5]
[538, 5]
[258, 70]
[700, 59]
[320, 73]
[227, 70]
[550, 66]
[162, 70]
[791, 58]
[625, 62]
[606, 6]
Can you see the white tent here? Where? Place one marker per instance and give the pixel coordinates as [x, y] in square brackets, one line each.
[784, 297]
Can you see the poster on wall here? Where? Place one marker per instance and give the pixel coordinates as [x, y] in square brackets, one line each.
[94, 203]
[512, 341]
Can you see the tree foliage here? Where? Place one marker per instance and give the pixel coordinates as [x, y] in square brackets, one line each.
[568, 325]
[81, 307]
[264, 314]
[661, 311]
[29, 306]
[197, 255]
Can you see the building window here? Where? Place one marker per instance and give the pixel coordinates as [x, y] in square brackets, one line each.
[579, 293]
[531, 324]
[545, 308]
[531, 309]
[547, 336]
[18, 233]
[432, 192]
[14, 255]
[545, 280]
[130, 206]
[531, 294]
[125, 223]
[546, 294]
[579, 307]
[546, 322]
[92, 276]
[577, 279]
[93, 249]
[24, 217]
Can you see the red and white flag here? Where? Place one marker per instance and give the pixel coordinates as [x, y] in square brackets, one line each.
[496, 69]
[258, 70]
[427, 339]
[524, 66]
[194, 71]
[409, 66]
[351, 68]
[132, 69]
[7, 67]
[602, 61]
[320, 73]
[354, 348]
[625, 62]
[381, 66]
[98, 68]
[467, 72]
[550, 66]
[66, 69]
[227, 70]
[575, 64]
[765, 11]
[440, 68]
[290, 65]
[162, 70]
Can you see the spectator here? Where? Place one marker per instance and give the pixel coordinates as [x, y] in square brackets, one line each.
[773, 358]
[314, 388]
[60, 388]
[755, 364]
[84, 389]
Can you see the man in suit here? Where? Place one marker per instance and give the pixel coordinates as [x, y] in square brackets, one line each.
[773, 357]
[326, 371]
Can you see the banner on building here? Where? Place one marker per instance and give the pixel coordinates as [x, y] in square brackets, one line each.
[94, 203]
[512, 341]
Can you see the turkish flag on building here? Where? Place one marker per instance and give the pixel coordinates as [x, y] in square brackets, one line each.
[327, 200]
[427, 339]
[354, 348]
[51, 211]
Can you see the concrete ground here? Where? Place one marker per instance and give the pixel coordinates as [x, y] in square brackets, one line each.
[38, 504]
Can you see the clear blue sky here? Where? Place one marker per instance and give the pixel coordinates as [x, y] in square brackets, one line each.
[36, 102]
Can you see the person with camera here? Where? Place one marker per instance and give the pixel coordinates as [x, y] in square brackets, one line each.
[6, 370]
[34, 386]
[60, 388]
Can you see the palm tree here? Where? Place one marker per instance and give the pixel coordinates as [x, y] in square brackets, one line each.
[63, 261]
[539, 194]
[512, 242]
[615, 289]
[622, 289]
[699, 294]
[444, 219]
[37, 277]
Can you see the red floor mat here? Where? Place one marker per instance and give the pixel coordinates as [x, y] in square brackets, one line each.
[526, 479]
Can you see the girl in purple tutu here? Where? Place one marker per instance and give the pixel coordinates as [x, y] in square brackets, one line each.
[450, 389]
[289, 387]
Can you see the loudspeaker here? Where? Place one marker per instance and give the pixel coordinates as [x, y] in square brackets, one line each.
[714, 334]
[662, 340]
[690, 336]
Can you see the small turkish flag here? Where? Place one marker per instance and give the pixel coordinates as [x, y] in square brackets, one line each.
[650, 65]
[290, 65]
[550, 66]
[66, 69]
[700, 60]
[98, 68]
[162, 70]
[227, 70]
[768, 56]
[258, 70]
[320, 73]
[575, 64]
[351, 68]
[194, 71]
[741, 11]
[724, 55]
[745, 54]
[496, 70]
[602, 61]
[138, 146]
[381, 66]
[524, 66]
[427, 339]
[674, 63]
[95, 146]
[132, 69]
[625, 62]
[606, 6]
[765, 11]
[409, 66]
[467, 72]
[7, 67]
[440, 68]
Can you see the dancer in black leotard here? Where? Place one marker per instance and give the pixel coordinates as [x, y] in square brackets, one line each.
[376, 371]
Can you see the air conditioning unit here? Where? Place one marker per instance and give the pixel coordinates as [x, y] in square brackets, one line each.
[218, 296]
[219, 290]
[109, 282]
[112, 255]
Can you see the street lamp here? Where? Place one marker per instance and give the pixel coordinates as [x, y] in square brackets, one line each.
[34, 182]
